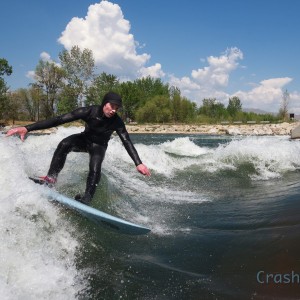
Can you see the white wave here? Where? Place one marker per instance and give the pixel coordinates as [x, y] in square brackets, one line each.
[157, 157]
[37, 245]
[270, 156]
[183, 147]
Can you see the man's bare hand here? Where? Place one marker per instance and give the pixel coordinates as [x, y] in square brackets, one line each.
[21, 131]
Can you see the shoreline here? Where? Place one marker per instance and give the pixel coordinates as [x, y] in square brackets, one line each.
[214, 129]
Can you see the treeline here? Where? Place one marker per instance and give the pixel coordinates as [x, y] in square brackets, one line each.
[63, 87]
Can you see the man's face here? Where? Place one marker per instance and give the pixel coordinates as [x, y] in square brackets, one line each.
[110, 109]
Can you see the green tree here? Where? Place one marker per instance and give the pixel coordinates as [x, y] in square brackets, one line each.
[28, 100]
[150, 87]
[183, 110]
[79, 67]
[157, 110]
[101, 85]
[187, 110]
[67, 100]
[131, 96]
[49, 77]
[34, 98]
[5, 69]
[234, 106]
[212, 108]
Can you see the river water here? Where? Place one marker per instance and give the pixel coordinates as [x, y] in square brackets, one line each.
[224, 214]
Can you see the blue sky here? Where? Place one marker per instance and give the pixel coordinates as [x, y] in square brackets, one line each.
[211, 48]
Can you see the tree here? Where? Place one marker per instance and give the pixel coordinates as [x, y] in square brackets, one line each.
[49, 77]
[5, 69]
[175, 96]
[34, 98]
[283, 110]
[234, 106]
[67, 100]
[182, 109]
[150, 87]
[131, 96]
[16, 105]
[79, 67]
[212, 108]
[101, 85]
[157, 110]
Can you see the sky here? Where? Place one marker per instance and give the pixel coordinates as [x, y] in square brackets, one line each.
[206, 48]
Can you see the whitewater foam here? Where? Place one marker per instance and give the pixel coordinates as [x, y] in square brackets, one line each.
[37, 245]
[271, 157]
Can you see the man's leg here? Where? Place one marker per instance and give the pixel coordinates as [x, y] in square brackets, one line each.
[75, 142]
[97, 153]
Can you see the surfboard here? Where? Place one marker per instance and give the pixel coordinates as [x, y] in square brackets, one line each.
[98, 216]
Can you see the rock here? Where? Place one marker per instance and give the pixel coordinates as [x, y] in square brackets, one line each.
[233, 131]
[295, 133]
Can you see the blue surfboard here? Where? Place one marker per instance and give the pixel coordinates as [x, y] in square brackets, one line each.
[96, 215]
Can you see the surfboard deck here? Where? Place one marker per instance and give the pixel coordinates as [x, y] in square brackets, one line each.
[96, 215]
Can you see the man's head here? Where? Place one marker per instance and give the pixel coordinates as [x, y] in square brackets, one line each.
[111, 103]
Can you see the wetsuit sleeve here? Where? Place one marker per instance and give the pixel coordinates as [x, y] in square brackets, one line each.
[124, 136]
[77, 114]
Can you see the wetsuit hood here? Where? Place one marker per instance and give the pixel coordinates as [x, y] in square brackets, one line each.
[112, 97]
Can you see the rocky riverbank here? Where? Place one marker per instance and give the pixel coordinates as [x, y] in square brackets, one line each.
[218, 129]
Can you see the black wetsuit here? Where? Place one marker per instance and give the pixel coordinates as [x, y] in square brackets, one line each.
[94, 140]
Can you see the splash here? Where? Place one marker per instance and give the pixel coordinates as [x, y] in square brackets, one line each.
[270, 157]
[37, 245]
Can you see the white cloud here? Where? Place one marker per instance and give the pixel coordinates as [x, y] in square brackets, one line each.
[105, 31]
[154, 71]
[30, 75]
[211, 80]
[45, 56]
[216, 74]
[294, 104]
[266, 96]
[185, 84]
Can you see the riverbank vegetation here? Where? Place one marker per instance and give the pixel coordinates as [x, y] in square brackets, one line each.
[60, 88]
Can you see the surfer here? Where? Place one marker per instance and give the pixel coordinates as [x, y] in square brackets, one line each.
[100, 122]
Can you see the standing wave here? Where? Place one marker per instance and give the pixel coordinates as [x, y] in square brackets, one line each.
[37, 246]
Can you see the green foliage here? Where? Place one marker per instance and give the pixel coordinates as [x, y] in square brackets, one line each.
[79, 71]
[156, 110]
[131, 96]
[212, 109]
[67, 100]
[101, 85]
[234, 106]
[183, 110]
[5, 69]
[49, 77]
[150, 87]
[15, 105]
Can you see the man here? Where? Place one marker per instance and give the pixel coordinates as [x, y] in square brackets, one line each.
[100, 122]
